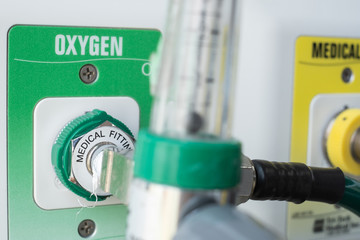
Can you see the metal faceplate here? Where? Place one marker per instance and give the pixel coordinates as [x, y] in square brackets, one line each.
[44, 62]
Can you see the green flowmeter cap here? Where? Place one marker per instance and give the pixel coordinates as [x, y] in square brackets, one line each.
[188, 163]
[62, 149]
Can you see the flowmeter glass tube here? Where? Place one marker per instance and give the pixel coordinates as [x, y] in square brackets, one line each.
[188, 142]
[195, 69]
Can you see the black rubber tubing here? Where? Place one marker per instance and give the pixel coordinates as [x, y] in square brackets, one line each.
[296, 182]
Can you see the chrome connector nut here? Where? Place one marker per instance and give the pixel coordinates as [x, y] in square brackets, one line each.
[248, 179]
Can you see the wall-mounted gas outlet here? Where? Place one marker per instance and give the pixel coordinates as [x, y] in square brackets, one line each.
[323, 110]
[48, 86]
[323, 87]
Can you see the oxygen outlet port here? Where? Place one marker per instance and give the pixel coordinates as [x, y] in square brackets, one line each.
[77, 152]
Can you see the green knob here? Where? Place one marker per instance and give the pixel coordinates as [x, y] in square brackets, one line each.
[188, 163]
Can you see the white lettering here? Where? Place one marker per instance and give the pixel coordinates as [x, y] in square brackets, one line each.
[148, 73]
[60, 44]
[104, 46]
[116, 46]
[94, 45]
[71, 47]
[83, 42]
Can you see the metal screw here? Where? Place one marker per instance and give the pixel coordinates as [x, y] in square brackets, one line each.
[88, 73]
[86, 228]
[347, 75]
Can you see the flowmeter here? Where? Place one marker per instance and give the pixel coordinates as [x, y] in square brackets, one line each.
[187, 158]
[76, 154]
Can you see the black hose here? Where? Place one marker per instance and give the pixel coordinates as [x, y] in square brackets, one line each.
[296, 182]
